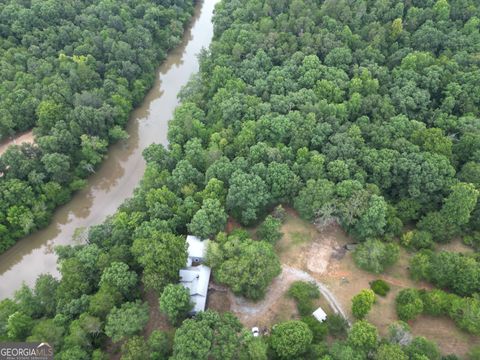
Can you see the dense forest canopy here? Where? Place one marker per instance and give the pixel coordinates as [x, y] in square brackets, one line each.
[72, 70]
[361, 112]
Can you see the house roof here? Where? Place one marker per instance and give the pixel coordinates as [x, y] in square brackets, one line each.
[197, 247]
[196, 280]
[319, 314]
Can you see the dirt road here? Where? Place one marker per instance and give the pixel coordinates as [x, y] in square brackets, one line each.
[250, 312]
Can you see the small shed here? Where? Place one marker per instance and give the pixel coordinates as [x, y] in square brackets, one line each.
[320, 315]
[197, 250]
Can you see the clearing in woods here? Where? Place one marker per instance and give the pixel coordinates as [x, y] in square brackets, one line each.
[17, 140]
[304, 250]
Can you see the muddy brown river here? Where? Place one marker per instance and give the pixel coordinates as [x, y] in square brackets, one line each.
[120, 172]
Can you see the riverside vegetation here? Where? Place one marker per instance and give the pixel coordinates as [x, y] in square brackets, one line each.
[72, 71]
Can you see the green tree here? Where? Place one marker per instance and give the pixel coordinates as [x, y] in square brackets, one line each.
[161, 256]
[255, 349]
[103, 301]
[313, 197]
[337, 325]
[374, 255]
[74, 352]
[192, 341]
[269, 230]
[409, 304]
[118, 277]
[304, 294]
[420, 265]
[362, 303]
[459, 205]
[470, 173]
[245, 265]
[19, 326]
[160, 345]
[7, 308]
[175, 302]
[45, 293]
[247, 197]
[417, 239]
[373, 220]
[390, 352]
[422, 347]
[127, 320]
[363, 336]
[47, 331]
[209, 336]
[290, 339]
[135, 348]
[209, 220]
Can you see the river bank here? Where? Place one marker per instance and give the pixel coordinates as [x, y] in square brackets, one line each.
[120, 172]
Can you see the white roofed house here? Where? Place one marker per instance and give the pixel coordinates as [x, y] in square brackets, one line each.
[196, 279]
[197, 250]
[196, 276]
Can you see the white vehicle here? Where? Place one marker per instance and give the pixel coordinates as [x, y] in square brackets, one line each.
[255, 331]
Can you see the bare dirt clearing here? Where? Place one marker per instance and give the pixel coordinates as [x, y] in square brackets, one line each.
[17, 140]
[307, 254]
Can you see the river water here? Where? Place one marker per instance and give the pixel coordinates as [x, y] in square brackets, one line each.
[120, 172]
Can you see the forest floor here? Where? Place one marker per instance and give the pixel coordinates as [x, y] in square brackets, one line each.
[26, 137]
[322, 256]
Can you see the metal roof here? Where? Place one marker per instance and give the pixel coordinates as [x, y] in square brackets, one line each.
[320, 315]
[197, 247]
[196, 280]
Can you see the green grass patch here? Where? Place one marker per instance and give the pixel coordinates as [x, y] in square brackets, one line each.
[300, 238]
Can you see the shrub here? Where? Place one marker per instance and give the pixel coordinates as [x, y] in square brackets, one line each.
[417, 239]
[269, 230]
[374, 255]
[290, 339]
[473, 240]
[436, 302]
[399, 333]
[466, 313]
[474, 353]
[409, 304]
[319, 329]
[422, 240]
[303, 293]
[279, 213]
[337, 325]
[362, 303]
[380, 287]
[421, 348]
